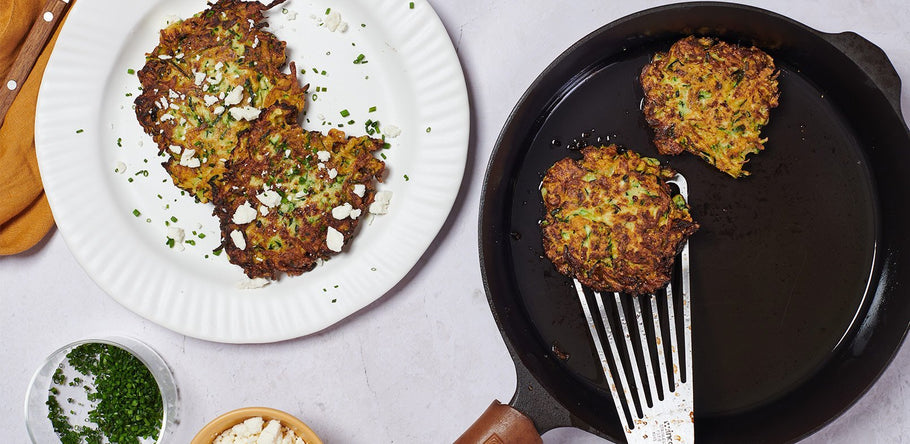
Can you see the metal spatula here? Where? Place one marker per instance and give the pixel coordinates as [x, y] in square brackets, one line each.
[650, 376]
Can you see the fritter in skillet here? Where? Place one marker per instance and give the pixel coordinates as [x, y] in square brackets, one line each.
[292, 197]
[611, 221]
[207, 79]
[710, 98]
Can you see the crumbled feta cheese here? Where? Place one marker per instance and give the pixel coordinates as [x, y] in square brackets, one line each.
[234, 96]
[119, 167]
[300, 195]
[287, 152]
[292, 15]
[252, 284]
[332, 173]
[255, 41]
[210, 99]
[239, 241]
[263, 210]
[164, 57]
[162, 104]
[218, 110]
[381, 202]
[323, 156]
[332, 21]
[244, 214]
[343, 27]
[360, 189]
[215, 79]
[170, 19]
[244, 112]
[187, 159]
[175, 149]
[252, 431]
[198, 77]
[171, 94]
[178, 235]
[269, 198]
[356, 213]
[320, 166]
[342, 211]
[391, 131]
[219, 65]
[334, 240]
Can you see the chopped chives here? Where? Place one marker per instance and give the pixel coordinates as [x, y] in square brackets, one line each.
[406, 178]
[328, 11]
[136, 212]
[372, 109]
[131, 71]
[345, 113]
[79, 131]
[411, 5]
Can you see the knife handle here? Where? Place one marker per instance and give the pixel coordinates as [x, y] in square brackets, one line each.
[34, 44]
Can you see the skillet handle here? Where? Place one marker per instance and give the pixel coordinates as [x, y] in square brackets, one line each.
[500, 424]
[873, 61]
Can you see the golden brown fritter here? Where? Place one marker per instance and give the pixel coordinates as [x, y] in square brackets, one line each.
[710, 98]
[209, 76]
[292, 197]
[611, 221]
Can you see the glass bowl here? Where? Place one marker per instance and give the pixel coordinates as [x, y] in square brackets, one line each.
[39, 427]
[234, 417]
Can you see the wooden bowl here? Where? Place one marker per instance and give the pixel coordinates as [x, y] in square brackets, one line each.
[224, 422]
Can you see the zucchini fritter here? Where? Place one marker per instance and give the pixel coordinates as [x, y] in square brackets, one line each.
[292, 197]
[611, 221]
[710, 98]
[207, 79]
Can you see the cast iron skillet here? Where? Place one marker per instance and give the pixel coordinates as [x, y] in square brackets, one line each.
[799, 272]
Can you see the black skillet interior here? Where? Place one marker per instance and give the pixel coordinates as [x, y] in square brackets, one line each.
[798, 271]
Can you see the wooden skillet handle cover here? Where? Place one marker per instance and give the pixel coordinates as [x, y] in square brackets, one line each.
[500, 424]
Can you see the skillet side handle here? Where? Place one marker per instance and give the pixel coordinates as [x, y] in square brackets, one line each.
[500, 424]
[873, 61]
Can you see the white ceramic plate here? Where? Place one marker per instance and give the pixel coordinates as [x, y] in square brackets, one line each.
[85, 126]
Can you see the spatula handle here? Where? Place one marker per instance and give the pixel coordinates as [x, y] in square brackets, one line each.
[37, 37]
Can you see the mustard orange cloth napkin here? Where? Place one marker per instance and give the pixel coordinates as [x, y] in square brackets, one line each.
[25, 217]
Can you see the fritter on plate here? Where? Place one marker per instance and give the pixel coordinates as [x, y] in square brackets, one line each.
[710, 98]
[292, 197]
[207, 79]
[611, 221]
